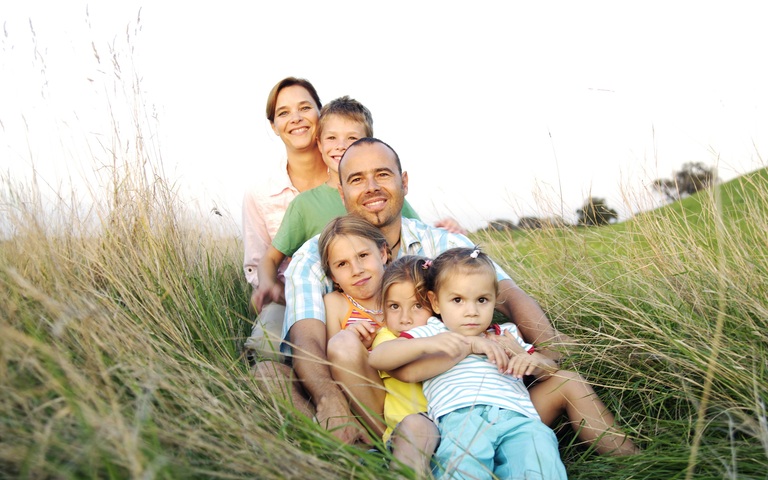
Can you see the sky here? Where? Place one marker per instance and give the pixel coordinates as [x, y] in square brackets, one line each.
[497, 109]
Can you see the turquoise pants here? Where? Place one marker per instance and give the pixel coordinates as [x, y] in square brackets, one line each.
[483, 442]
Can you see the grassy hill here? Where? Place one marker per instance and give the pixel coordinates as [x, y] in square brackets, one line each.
[119, 350]
[670, 311]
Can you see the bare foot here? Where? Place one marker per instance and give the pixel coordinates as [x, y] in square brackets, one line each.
[335, 416]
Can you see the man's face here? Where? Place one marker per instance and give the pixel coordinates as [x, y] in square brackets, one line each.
[371, 185]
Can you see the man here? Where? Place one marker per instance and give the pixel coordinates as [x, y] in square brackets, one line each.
[373, 186]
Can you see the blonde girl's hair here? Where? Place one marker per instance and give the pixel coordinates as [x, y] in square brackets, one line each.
[347, 108]
[409, 268]
[460, 260]
[348, 225]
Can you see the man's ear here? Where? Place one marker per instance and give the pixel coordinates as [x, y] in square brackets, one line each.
[433, 300]
[405, 183]
[341, 194]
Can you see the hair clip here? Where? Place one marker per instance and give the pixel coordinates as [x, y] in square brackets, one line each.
[426, 264]
[475, 252]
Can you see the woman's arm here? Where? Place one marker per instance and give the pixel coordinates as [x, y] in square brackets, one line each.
[256, 237]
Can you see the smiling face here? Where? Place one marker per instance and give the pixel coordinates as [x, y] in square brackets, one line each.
[296, 115]
[402, 309]
[465, 302]
[357, 265]
[337, 134]
[372, 186]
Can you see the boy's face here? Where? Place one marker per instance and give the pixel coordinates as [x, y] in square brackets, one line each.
[338, 134]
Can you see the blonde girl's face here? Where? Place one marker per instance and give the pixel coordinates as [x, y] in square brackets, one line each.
[466, 302]
[357, 265]
[338, 134]
[402, 310]
[296, 116]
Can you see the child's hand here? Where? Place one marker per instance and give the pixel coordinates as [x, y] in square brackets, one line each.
[365, 332]
[455, 345]
[508, 340]
[495, 351]
[530, 364]
[520, 365]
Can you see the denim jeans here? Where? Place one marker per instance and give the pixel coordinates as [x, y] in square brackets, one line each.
[481, 441]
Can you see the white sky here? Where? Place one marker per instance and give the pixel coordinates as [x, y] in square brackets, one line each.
[497, 109]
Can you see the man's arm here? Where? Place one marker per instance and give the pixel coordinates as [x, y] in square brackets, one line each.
[530, 319]
[311, 366]
[305, 285]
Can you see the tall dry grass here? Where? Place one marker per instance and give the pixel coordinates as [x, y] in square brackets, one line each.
[669, 312]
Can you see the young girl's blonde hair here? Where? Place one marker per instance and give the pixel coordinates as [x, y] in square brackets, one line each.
[409, 268]
[460, 260]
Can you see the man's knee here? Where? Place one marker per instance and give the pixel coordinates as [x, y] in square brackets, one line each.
[266, 335]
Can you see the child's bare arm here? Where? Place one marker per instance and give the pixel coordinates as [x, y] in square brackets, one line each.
[495, 351]
[270, 288]
[333, 301]
[365, 332]
[399, 352]
[415, 360]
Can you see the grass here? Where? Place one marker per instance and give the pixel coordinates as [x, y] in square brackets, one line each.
[120, 350]
[670, 312]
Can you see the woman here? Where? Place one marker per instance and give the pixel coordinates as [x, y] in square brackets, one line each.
[293, 108]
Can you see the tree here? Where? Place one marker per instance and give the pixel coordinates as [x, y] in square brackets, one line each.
[501, 225]
[596, 212]
[693, 177]
[534, 223]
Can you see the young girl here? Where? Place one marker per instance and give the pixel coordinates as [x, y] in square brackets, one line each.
[415, 437]
[353, 254]
[486, 420]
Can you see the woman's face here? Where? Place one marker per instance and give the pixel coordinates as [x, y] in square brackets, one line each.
[296, 118]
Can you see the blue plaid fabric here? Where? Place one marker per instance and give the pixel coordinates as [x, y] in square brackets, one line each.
[306, 282]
